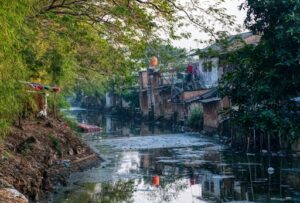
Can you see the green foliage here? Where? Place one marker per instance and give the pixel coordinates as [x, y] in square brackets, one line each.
[265, 78]
[168, 55]
[11, 67]
[70, 121]
[196, 118]
[131, 96]
[207, 66]
[84, 43]
[110, 193]
[4, 128]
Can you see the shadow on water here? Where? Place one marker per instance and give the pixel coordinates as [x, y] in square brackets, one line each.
[121, 125]
[190, 167]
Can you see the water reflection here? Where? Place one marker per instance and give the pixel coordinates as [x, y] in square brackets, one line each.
[119, 126]
[191, 168]
[119, 191]
[211, 177]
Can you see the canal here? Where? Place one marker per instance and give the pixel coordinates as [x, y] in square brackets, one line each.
[147, 163]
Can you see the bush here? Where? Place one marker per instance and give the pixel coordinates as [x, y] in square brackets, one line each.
[195, 121]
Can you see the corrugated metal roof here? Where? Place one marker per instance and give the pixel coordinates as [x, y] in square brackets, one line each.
[218, 47]
[212, 93]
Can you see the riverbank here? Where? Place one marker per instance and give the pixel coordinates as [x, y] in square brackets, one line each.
[41, 154]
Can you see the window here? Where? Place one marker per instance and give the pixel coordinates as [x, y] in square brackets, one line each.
[207, 66]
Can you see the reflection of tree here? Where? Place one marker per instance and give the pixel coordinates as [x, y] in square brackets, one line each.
[120, 191]
[170, 184]
[168, 190]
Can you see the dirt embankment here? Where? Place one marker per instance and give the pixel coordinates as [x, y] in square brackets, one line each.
[41, 154]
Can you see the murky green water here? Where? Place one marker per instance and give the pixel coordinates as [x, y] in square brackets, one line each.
[191, 168]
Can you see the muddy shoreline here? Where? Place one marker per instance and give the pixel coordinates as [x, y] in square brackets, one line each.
[40, 155]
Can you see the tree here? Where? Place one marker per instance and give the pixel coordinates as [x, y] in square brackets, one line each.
[12, 16]
[266, 77]
[168, 55]
[58, 42]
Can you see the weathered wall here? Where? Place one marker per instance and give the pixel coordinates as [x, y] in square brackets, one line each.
[210, 115]
[143, 79]
[225, 102]
[163, 106]
[167, 106]
[254, 39]
[144, 102]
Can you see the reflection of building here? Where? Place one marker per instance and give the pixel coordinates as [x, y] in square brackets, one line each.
[114, 100]
[108, 124]
[219, 186]
[114, 126]
[130, 161]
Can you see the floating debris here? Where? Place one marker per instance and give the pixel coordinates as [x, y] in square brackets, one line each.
[271, 170]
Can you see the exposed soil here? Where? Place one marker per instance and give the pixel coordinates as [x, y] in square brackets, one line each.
[41, 154]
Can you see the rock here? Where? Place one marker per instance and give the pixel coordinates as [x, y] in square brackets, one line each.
[8, 195]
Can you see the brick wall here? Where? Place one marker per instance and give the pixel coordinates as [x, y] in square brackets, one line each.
[210, 114]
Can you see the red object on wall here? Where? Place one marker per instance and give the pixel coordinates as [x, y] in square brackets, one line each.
[155, 181]
[189, 68]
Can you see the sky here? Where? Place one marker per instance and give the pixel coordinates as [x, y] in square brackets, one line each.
[232, 8]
